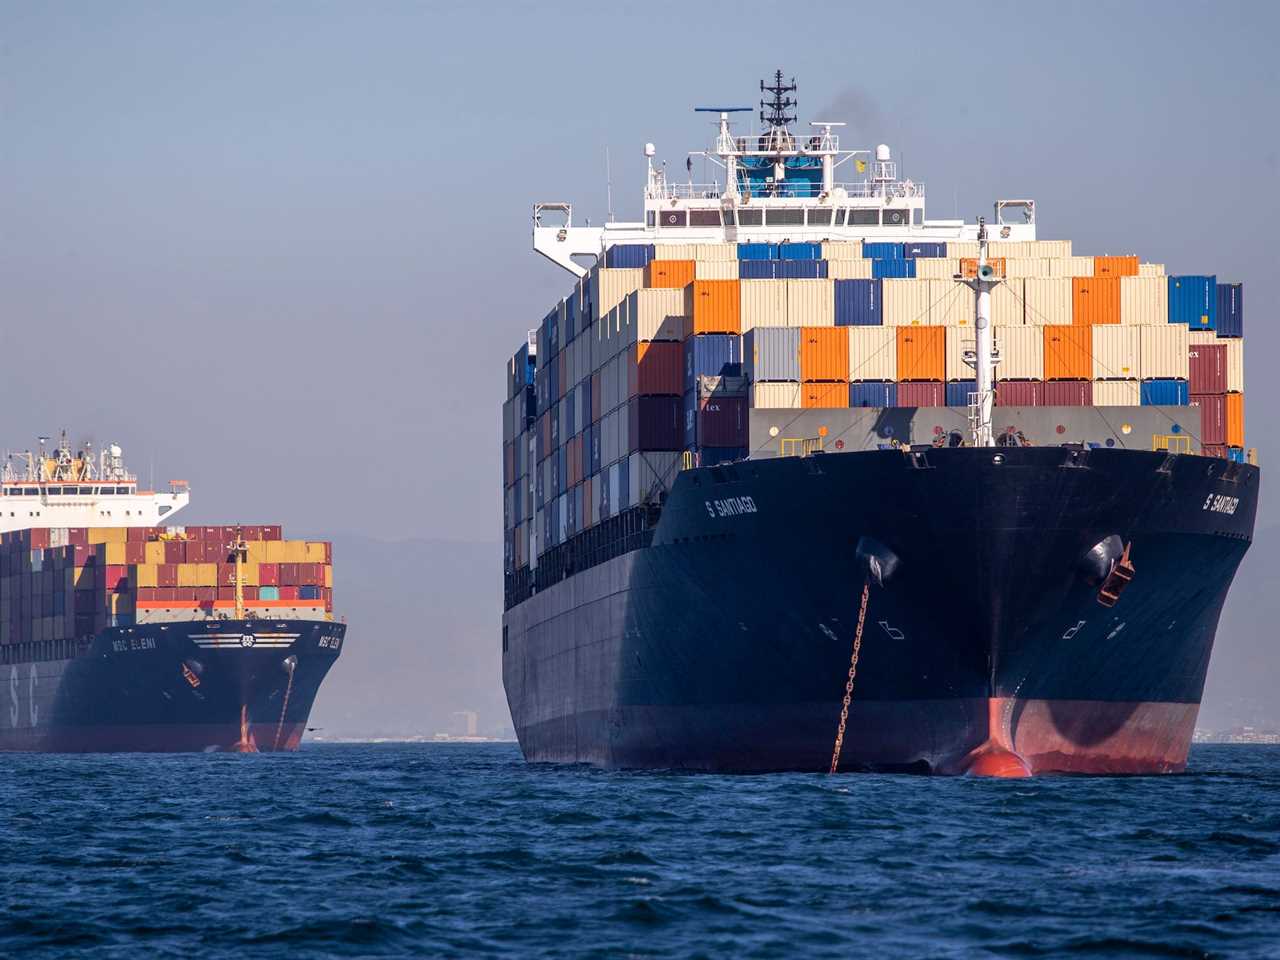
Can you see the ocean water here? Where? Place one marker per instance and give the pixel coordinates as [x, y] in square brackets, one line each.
[400, 850]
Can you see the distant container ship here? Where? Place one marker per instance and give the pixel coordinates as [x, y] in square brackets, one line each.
[119, 634]
[797, 478]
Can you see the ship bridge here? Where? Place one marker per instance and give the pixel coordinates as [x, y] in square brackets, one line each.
[774, 186]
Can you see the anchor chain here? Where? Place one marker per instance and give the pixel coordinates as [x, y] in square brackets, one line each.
[284, 706]
[853, 672]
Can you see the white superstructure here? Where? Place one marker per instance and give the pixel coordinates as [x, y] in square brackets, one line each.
[64, 489]
[775, 186]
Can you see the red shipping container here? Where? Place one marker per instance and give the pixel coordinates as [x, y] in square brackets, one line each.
[39, 539]
[311, 575]
[289, 574]
[251, 593]
[922, 394]
[205, 594]
[1208, 368]
[1213, 418]
[135, 535]
[175, 551]
[135, 551]
[269, 574]
[288, 593]
[722, 422]
[166, 594]
[167, 575]
[1068, 393]
[146, 593]
[78, 536]
[656, 423]
[656, 368]
[226, 593]
[1019, 393]
[1214, 450]
[117, 577]
[272, 533]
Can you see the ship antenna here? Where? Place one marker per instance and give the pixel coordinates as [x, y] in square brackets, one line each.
[985, 355]
[778, 106]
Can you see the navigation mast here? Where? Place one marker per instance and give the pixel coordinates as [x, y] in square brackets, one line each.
[985, 355]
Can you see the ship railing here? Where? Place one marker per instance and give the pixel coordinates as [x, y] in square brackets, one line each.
[714, 191]
[799, 446]
[1171, 442]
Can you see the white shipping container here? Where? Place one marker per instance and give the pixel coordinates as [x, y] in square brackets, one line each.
[1071, 267]
[1117, 351]
[1117, 393]
[934, 268]
[610, 286]
[1048, 300]
[715, 270]
[763, 303]
[1007, 304]
[960, 339]
[1027, 267]
[873, 353]
[661, 314]
[1048, 248]
[1166, 351]
[771, 353]
[1202, 336]
[1010, 249]
[1144, 300]
[766, 396]
[906, 302]
[651, 474]
[951, 303]
[1235, 364]
[1021, 353]
[849, 269]
[675, 251]
[835, 250]
[1151, 269]
[717, 253]
[810, 303]
[962, 248]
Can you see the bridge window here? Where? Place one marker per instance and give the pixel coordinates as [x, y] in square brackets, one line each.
[750, 218]
[863, 218]
[820, 217]
[785, 218]
[895, 218]
[917, 216]
[649, 218]
[704, 218]
[673, 218]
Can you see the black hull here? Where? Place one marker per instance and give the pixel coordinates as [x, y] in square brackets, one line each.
[726, 644]
[224, 685]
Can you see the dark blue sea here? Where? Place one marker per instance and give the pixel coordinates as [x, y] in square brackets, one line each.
[399, 850]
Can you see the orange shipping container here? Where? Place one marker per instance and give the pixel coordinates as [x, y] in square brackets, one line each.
[824, 353]
[969, 266]
[824, 395]
[656, 368]
[1235, 419]
[1115, 266]
[1068, 353]
[1095, 300]
[717, 307]
[922, 353]
[669, 273]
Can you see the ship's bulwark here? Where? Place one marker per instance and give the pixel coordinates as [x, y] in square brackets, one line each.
[726, 645]
[193, 685]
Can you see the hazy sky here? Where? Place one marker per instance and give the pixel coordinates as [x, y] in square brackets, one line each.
[282, 250]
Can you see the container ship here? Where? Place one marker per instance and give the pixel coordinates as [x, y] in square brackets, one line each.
[118, 633]
[799, 478]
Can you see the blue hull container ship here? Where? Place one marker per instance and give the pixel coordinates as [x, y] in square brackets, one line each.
[946, 499]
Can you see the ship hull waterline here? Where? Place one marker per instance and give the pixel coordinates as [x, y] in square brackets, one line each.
[725, 646]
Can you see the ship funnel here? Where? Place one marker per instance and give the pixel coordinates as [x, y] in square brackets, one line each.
[1098, 560]
[879, 562]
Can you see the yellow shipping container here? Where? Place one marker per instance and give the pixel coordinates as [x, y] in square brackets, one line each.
[315, 551]
[951, 304]
[1166, 351]
[905, 303]
[660, 314]
[764, 303]
[1008, 304]
[328, 575]
[154, 552]
[873, 353]
[275, 551]
[115, 553]
[145, 574]
[1071, 267]
[849, 269]
[715, 270]
[206, 574]
[1048, 301]
[1144, 301]
[1021, 353]
[99, 535]
[833, 250]
[1235, 365]
[609, 287]
[810, 303]
[189, 575]
[295, 551]
[1117, 393]
[1117, 351]
[775, 395]
[257, 551]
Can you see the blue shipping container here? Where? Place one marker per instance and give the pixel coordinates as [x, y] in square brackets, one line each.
[629, 255]
[873, 393]
[1165, 393]
[926, 250]
[624, 484]
[712, 355]
[958, 392]
[802, 269]
[1193, 301]
[898, 269]
[799, 251]
[758, 269]
[858, 303]
[757, 251]
[881, 251]
[1236, 454]
[313, 592]
[710, 456]
[1230, 319]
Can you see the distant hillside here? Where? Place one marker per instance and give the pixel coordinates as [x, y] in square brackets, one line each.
[423, 638]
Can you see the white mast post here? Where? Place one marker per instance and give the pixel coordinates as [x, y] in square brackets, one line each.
[984, 361]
